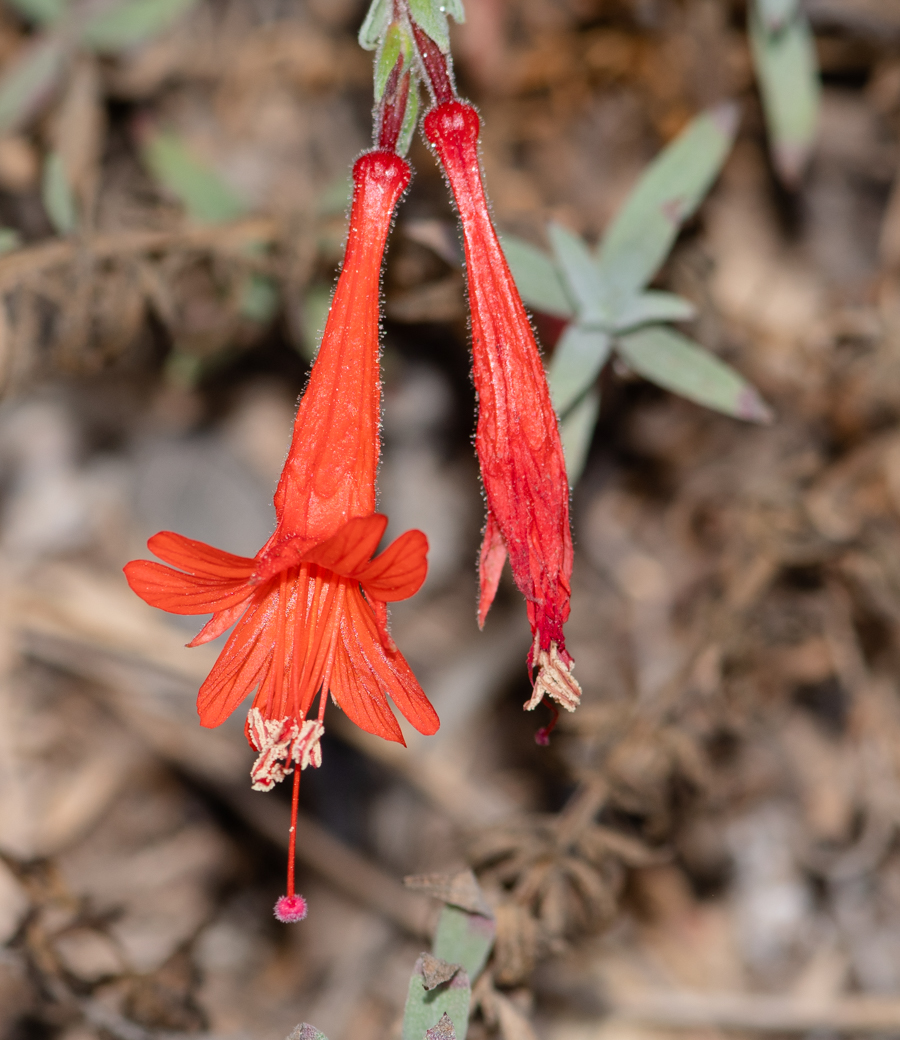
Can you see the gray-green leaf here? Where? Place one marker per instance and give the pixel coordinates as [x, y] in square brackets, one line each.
[9, 240]
[536, 278]
[580, 272]
[29, 82]
[775, 14]
[431, 17]
[676, 363]
[576, 431]
[132, 23]
[669, 191]
[577, 360]
[43, 12]
[787, 68]
[199, 189]
[653, 306]
[425, 1008]
[410, 118]
[387, 58]
[375, 24]
[464, 938]
[56, 194]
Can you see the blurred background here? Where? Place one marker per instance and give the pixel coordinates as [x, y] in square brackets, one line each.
[710, 842]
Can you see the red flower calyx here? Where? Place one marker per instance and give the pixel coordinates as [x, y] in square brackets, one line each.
[517, 438]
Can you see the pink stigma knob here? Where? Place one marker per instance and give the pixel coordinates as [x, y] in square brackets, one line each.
[290, 908]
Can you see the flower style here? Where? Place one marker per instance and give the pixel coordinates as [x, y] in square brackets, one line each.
[517, 438]
[310, 609]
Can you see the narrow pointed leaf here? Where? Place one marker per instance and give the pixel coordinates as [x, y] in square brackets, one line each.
[42, 12]
[375, 24]
[653, 306]
[577, 431]
[56, 194]
[387, 58]
[132, 23]
[670, 190]
[425, 1008]
[199, 189]
[455, 9]
[580, 274]
[410, 119]
[537, 278]
[431, 17]
[29, 81]
[464, 938]
[577, 360]
[676, 363]
[788, 74]
[775, 14]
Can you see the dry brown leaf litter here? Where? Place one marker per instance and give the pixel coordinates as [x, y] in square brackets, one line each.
[711, 842]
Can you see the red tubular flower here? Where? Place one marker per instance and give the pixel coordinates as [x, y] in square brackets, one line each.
[517, 439]
[310, 609]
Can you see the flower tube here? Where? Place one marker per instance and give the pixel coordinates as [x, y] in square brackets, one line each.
[310, 609]
[517, 437]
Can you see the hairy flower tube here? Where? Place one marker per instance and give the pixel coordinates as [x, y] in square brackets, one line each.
[517, 438]
[310, 609]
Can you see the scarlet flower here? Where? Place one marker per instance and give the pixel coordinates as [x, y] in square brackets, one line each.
[310, 609]
[517, 438]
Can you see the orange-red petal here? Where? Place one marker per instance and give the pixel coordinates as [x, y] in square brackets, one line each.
[399, 571]
[181, 593]
[198, 558]
[378, 671]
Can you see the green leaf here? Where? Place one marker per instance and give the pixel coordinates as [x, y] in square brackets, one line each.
[456, 11]
[56, 194]
[653, 306]
[676, 363]
[581, 276]
[424, 1008]
[577, 360]
[375, 24]
[536, 278]
[9, 240]
[576, 431]
[410, 118]
[464, 938]
[387, 58]
[787, 68]
[775, 14]
[42, 12]
[29, 82]
[199, 189]
[669, 191]
[132, 23]
[431, 17]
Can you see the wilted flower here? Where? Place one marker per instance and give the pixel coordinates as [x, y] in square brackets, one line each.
[310, 609]
[517, 438]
